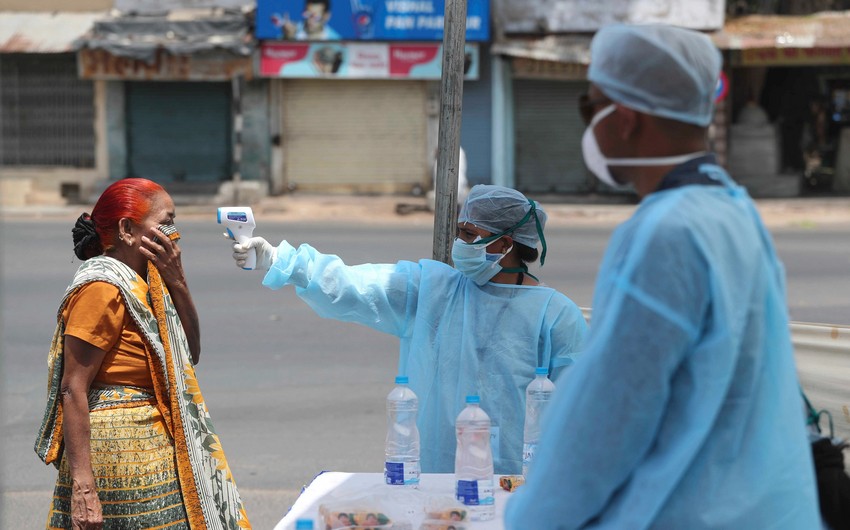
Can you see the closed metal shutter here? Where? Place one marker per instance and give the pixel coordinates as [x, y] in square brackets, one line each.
[361, 135]
[477, 123]
[548, 132]
[179, 132]
[46, 112]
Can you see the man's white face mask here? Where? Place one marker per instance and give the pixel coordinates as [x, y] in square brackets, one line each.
[593, 157]
[598, 164]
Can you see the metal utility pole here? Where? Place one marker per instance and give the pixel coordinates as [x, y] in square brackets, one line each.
[448, 140]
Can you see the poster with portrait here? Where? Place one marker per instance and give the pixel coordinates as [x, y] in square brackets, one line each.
[364, 20]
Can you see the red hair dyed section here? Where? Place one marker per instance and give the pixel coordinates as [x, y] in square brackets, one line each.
[130, 198]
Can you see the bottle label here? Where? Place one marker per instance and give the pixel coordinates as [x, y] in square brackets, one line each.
[401, 473]
[475, 492]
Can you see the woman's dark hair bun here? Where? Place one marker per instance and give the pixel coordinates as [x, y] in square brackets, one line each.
[86, 240]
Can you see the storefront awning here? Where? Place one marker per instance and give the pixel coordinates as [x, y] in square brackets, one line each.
[26, 32]
[185, 32]
[563, 57]
[821, 30]
[573, 49]
[821, 38]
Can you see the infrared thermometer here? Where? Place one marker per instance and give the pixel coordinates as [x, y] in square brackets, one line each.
[239, 222]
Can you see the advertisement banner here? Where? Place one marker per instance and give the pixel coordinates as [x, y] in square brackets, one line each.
[364, 20]
[355, 60]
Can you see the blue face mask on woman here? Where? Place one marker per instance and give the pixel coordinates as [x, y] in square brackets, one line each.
[473, 260]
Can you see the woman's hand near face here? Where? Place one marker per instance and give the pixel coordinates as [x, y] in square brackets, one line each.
[165, 255]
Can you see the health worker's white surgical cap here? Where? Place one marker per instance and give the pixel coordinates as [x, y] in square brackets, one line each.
[659, 70]
[498, 209]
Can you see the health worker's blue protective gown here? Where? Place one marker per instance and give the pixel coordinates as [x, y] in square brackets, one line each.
[684, 412]
[456, 338]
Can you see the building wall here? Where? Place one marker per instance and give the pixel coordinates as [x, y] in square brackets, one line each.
[57, 5]
[562, 16]
[256, 140]
[123, 5]
[64, 124]
[116, 130]
[154, 6]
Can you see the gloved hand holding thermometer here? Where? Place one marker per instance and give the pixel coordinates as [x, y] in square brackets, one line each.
[249, 252]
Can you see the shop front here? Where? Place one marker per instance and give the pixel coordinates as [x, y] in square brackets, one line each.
[51, 122]
[790, 103]
[547, 127]
[541, 82]
[175, 88]
[364, 124]
[355, 102]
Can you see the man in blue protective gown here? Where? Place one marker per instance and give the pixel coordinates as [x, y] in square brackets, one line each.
[481, 327]
[684, 412]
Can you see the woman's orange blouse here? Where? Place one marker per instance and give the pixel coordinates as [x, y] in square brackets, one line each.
[96, 314]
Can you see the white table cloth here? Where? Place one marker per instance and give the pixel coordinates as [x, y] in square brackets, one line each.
[328, 483]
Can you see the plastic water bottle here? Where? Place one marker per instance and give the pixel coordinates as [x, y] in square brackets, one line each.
[304, 524]
[538, 393]
[401, 465]
[474, 461]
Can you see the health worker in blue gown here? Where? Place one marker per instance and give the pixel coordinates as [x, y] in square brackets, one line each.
[481, 327]
[684, 411]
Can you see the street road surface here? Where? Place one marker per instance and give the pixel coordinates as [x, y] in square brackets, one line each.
[292, 394]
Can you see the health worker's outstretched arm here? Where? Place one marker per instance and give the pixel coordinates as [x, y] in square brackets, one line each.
[381, 296]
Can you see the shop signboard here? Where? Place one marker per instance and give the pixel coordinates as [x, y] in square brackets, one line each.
[794, 56]
[365, 20]
[100, 64]
[355, 60]
[526, 68]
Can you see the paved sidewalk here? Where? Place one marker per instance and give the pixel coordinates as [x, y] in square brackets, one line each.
[382, 209]
[802, 212]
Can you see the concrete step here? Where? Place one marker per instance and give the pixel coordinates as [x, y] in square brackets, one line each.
[45, 198]
[773, 186]
[14, 192]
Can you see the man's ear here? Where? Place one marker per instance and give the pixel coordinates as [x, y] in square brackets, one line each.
[630, 122]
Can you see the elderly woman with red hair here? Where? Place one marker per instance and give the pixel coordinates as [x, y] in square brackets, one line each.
[126, 423]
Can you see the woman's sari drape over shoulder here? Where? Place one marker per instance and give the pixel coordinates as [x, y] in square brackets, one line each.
[209, 492]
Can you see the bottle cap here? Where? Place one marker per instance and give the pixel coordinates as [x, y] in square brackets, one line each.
[401, 380]
[304, 524]
[473, 399]
[541, 370]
